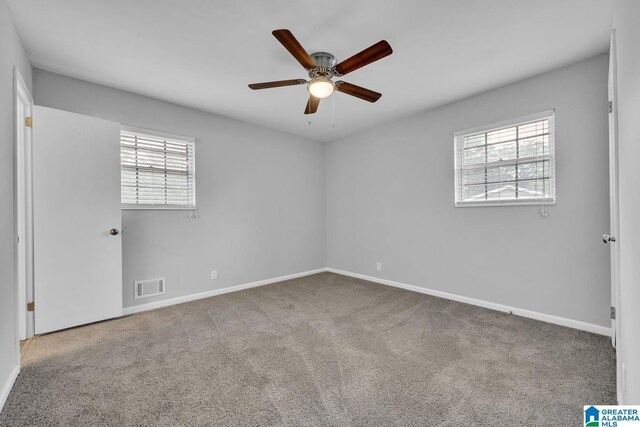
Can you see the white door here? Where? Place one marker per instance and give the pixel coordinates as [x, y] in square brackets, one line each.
[77, 244]
[613, 193]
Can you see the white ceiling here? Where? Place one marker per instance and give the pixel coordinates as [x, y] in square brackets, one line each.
[202, 54]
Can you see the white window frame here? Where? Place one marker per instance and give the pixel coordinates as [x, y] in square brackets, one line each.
[169, 136]
[458, 138]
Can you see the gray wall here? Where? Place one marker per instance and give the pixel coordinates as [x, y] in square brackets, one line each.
[11, 54]
[390, 199]
[260, 195]
[626, 17]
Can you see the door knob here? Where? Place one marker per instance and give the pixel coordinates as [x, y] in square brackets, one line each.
[606, 238]
[114, 231]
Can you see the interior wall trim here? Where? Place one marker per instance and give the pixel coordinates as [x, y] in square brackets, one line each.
[214, 292]
[8, 385]
[549, 318]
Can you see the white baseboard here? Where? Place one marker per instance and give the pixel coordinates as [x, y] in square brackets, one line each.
[562, 321]
[8, 385]
[570, 323]
[214, 292]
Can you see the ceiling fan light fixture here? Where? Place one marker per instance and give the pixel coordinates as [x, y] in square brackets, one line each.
[322, 67]
[321, 87]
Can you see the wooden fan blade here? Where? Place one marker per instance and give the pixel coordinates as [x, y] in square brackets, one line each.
[366, 57]
[294, 47]
[312, 105]
[279, 83]
[357, 91]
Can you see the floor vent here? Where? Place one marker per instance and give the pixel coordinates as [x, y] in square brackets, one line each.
[149, 288]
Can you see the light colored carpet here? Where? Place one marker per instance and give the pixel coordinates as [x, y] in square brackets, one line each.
[322, 350]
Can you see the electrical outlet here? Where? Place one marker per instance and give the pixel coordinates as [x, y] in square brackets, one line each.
[214, 274]
[379, 266]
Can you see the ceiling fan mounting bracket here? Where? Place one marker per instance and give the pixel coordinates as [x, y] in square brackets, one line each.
[335, 73]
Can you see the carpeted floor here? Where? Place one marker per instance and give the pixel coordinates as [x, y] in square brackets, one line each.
[323, 350]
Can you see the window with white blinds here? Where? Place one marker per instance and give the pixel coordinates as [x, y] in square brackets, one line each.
[157, 170]
[506, 163]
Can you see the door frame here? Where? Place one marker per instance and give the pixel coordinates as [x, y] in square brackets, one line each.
[614, 210]
[23, 208]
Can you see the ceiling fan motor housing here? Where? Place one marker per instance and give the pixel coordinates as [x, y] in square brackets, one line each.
[324, 64]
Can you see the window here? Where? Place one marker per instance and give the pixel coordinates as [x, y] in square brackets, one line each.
[506, 163]
[157, 170]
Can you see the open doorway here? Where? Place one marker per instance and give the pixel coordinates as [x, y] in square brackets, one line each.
[24, 207]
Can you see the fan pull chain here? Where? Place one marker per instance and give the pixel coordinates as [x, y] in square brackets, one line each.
[333, 111]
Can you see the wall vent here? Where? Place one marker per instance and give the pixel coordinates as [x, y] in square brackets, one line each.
[149, 288]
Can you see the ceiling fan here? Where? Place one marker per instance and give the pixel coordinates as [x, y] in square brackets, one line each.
[322, 67]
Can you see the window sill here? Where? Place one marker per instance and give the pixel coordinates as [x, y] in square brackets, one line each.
[157, 208]
[538, 202]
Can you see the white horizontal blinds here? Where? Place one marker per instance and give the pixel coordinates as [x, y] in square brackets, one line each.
[156, 171]
[507, 164]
